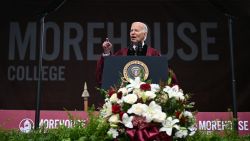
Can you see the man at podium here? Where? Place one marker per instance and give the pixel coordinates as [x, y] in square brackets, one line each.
[138, 47]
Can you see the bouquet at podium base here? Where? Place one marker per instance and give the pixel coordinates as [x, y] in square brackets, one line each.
[141, 111]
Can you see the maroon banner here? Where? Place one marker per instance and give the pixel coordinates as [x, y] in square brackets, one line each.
[220, 121]
[24, 120]
[194, 35]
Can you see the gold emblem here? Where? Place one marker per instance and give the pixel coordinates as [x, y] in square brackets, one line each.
[134, 69]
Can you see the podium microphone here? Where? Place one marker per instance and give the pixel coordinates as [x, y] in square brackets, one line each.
[135, 49]
[131, 50]
[139, 49]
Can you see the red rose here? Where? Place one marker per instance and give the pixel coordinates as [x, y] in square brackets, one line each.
[183, 119]
[145, 87]
[111, 91]
[119, 95]
[177, 114]
[116, 108]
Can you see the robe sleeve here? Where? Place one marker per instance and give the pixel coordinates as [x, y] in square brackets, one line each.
[99, 70]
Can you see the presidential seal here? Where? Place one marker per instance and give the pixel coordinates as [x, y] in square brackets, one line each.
[134, 69]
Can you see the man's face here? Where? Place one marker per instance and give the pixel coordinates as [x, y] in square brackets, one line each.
[137, 32]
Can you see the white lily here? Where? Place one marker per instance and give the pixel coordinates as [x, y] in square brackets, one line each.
[155, 87]
[130, 98]
[160, 117]
[114, 119]
[114, 98]
[169, 124]
[150, 94]
[106, 109]
[154, 112]
[127, 121]
[192, 130]
[138, 92]
[123, 90]
[188, 114]
[181, 133]
[137, 109]
[174, 92]
[136, 83]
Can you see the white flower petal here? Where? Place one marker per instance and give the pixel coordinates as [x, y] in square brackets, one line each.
[114, 118]
[168, 125]
[130, 98]
[150, 94]
[155, 87]
[113, 132]
[123, 90]
[182, 133]
[106, 109]
[137, 109]
[127, 121]
[114, 98]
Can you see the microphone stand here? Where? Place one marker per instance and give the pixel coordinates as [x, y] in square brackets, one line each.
[53, 7]
[40, 65]
[230, 26]
[218, 5]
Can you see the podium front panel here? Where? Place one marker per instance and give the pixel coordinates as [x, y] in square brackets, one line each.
[114, 65]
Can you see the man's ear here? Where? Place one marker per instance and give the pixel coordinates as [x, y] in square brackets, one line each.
[145, 36]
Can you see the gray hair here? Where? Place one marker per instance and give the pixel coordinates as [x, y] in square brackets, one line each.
[145, 27]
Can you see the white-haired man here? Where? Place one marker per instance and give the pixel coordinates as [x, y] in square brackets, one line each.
[138, 35]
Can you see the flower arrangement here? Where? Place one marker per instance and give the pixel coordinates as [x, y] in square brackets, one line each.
[142, 111]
